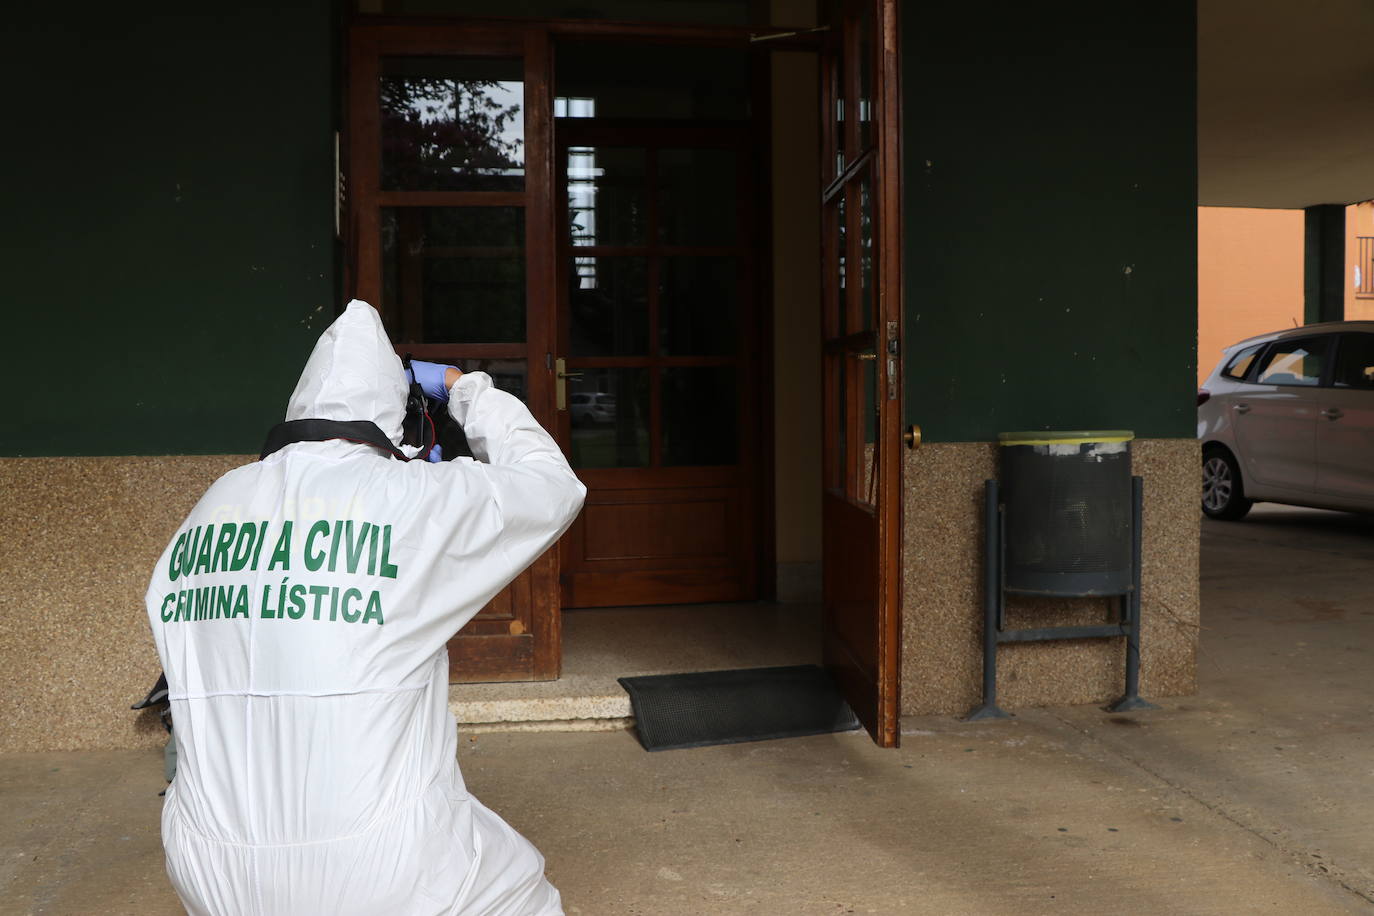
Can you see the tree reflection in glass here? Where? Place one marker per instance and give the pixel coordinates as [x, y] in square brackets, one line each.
[452, 124]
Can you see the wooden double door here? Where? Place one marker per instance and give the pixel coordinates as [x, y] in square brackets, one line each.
[604, 266]
[604, 270]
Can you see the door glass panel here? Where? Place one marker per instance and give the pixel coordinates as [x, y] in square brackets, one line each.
[596, 79]
[868, 483]
[608, 307]
[609, 410]
[698, 303]
[841, 430]
[697, 197]
[841, 304]
[700, 423]
[716, 12]
[607, 196]
[453, 274]
[507, 374]
[865, 256]
[864, 103]
[452, 124]
[837, 82]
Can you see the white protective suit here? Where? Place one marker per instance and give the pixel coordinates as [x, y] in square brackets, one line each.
[301, 614]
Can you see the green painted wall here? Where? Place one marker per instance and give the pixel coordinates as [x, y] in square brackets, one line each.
[1050, 194]
[168, 246]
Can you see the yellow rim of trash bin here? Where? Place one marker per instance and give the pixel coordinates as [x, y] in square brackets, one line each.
[1077, 437]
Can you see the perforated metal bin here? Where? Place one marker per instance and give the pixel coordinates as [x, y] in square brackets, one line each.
[1067, 499]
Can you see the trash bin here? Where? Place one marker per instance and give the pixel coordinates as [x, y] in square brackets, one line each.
[1068, 509]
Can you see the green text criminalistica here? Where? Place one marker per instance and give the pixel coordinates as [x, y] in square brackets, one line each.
[361, 548]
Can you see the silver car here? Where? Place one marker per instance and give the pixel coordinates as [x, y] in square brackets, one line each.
[1288, 417]
[591, 407]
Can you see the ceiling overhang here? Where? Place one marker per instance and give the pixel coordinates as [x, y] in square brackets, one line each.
[1285, 102]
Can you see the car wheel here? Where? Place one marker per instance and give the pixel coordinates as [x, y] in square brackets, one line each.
[1223, 493]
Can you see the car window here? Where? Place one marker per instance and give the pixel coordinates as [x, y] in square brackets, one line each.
[1294, 362]
[1355, 362]
[1241, 362]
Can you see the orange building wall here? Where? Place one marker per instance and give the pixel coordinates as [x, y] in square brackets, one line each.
[1249, 278]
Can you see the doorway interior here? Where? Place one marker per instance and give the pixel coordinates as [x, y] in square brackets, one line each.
[620, 224]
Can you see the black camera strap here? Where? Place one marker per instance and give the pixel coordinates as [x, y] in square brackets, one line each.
[417, 428]
[364, 432]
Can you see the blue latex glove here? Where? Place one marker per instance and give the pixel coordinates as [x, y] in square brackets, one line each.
[431, 379]
[436, 454]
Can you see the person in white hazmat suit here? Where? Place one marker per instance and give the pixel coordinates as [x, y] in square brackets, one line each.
[301, 613]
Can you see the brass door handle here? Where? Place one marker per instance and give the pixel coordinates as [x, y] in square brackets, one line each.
[912, 437]
[560, 383]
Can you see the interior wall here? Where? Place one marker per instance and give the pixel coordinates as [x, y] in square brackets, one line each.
[796, 313]
[1249, 278]
[168, 243]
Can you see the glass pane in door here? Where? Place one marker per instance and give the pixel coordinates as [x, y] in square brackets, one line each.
[608, 306]
[837, 113]
[607, 195]
[609, 411]
[840, 432]
[510, 375]
[700, 417]
[864, 103]
[452, 124]
[697, 197]
[866, 291]
[868, 476]
[453, 274]
[840, 303]
[597, 79]
[698, 305]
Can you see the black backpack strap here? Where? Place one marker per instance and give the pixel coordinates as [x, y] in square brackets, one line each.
[364, 432]
[157, 695]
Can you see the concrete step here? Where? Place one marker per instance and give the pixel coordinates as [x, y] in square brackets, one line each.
[492, 707]
[600, 646]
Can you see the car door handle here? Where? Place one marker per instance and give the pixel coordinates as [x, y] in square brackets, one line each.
[1242, 408]
[1333, 413]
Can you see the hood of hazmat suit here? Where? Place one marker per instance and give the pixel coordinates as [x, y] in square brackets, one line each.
[301, 614]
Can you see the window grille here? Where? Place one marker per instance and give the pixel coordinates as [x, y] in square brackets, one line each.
[1364, 267]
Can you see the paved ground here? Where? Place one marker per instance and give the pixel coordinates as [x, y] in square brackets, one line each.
[1253, 797]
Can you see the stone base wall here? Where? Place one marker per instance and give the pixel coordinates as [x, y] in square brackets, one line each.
[78, 540]
[942, 591]
[79, 537]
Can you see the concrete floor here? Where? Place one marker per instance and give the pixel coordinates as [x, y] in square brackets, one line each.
[1254, 796]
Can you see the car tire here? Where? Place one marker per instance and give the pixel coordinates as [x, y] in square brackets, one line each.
[1223, 491]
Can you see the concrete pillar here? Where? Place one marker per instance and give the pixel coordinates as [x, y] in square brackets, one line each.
[1324, 263]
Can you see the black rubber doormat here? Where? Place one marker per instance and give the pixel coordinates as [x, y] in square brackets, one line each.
[726, 707]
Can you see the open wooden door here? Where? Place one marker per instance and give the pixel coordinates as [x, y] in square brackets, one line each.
[450, 165]
[861, 506]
